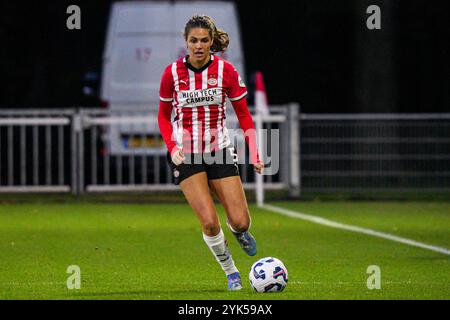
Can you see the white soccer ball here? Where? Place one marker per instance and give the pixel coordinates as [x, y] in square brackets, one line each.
[268, 275]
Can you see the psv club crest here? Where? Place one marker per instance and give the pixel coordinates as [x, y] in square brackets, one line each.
[212, 81]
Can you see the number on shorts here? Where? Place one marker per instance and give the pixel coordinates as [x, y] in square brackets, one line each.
[234, 155]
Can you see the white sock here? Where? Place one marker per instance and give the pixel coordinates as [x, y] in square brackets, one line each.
[219, 248]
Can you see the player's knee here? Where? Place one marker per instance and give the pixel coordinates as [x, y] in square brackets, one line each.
[240, 225]
[211, 228]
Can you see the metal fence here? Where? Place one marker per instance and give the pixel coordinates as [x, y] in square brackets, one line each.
[375, 152]
[99, 151]
[37, 151]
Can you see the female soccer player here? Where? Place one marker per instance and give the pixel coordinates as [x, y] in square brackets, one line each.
[200, 153]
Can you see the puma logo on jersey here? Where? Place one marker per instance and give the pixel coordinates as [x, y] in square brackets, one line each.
[182, 81]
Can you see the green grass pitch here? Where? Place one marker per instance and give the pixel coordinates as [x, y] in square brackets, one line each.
[156, 251]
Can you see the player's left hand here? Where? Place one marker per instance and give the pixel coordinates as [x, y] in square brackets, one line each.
[258, 167]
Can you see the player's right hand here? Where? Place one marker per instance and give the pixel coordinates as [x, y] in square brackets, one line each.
[259, 166]
[177, 156]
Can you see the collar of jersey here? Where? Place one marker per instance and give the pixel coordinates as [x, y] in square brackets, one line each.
[191, 67]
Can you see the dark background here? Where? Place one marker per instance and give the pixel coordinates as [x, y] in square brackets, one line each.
[316, 52]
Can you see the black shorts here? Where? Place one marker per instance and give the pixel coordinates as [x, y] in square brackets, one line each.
[219, 164]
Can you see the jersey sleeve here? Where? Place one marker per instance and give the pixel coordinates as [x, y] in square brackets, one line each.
[165, 108]
[167, 86]
[165, 124]
[246, 122]
[236, 87]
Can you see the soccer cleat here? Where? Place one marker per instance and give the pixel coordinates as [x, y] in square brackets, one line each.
[247, 242]
[234, 281]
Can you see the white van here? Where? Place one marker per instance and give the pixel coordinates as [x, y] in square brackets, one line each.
[144, 37]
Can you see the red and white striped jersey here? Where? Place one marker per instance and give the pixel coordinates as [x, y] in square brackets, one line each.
[198, 97]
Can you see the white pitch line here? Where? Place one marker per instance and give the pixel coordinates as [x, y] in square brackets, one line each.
[332, 224]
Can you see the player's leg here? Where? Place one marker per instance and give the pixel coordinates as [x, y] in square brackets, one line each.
[196, 190]
[231, 194]
[197, 193]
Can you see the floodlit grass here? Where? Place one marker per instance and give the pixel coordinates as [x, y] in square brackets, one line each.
[156, 251]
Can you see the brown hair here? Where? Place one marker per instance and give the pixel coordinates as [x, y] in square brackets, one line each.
[220, 37]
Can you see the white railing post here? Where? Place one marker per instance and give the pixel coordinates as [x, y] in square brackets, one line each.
[259, 179]
[75, 133]
[294, 146]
